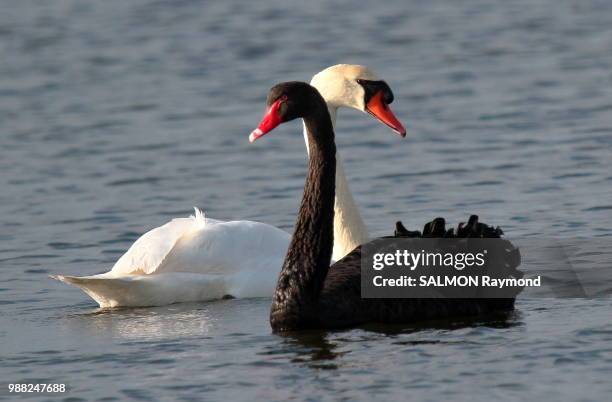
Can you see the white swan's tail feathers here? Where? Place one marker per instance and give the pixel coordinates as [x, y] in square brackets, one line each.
[107, 292]
[71, 280]
[148, 290]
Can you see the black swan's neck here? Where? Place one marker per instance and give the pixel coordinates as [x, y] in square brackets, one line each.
[309, 255]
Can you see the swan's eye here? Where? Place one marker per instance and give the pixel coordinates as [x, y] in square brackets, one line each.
[283, 98]
[387, 94]
[371, 88]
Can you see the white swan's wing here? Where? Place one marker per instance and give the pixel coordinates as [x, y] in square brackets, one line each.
[228, 248]
[206, 246]
[148, 252]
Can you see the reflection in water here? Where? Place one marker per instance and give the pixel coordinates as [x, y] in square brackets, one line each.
[180, 320]
[314, 348]
[321, 349]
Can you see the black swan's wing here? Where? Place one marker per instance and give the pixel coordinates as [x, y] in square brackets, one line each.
[341, 305]
[437, 228]
[511, 257]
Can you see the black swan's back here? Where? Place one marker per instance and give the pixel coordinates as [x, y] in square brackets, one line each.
[341, 305]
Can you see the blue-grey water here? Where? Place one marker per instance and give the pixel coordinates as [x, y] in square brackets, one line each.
[116, 116]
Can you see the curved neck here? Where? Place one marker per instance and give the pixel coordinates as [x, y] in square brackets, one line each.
[307, 262]
[349, 229]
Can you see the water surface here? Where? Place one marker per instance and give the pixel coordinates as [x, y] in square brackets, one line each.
[117, 116]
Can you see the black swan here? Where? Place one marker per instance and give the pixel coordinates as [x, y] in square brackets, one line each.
[311, 294]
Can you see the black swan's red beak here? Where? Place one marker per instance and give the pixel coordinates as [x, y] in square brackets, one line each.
[269, 121]
[378, 108]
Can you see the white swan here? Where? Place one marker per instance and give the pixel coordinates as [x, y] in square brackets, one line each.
[198, 258]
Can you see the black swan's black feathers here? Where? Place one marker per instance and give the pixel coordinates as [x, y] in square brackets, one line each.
[341, 305]
[437, 228]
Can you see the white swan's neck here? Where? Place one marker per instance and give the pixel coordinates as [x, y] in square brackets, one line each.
[349, 229]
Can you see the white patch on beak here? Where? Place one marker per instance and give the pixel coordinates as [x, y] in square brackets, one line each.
[255, 134]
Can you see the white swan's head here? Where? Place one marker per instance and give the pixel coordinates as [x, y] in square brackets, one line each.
[357, 87]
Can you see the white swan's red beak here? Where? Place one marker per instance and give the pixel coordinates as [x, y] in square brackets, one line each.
[269, 121]
[378, 108]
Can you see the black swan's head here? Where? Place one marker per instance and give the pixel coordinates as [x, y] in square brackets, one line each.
[288, 101]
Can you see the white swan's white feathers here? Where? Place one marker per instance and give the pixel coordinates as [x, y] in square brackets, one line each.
[148, 290]
[191, 259]
[148, 253]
